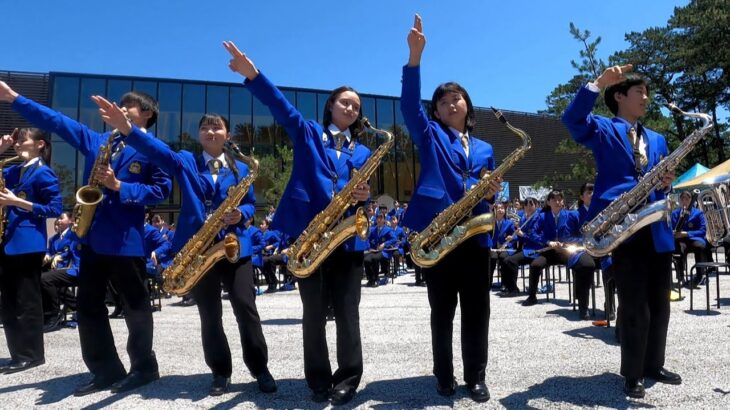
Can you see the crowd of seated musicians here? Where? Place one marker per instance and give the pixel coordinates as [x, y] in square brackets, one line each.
[525, 233]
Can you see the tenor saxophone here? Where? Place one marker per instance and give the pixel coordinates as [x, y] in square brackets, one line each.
[625, 215]
[199, 254]
[328, 230]
[446, 231]
[89, 196]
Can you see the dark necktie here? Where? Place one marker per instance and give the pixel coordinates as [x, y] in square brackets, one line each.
[215, 166]
[639, 160]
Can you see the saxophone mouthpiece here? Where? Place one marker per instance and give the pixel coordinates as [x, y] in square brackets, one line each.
[499, 115]
[366, 122]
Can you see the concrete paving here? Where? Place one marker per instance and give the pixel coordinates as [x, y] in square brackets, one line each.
[540, 357]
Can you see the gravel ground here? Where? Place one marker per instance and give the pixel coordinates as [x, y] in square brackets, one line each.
[539, 357]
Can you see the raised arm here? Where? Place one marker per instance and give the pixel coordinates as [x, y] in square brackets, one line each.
[78, 135]
[414, 115]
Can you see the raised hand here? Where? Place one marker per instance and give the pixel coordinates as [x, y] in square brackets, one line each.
[416, 42]
[613, 75]
[113, 115]
[7, 94]
[239, 63]
[8, 141]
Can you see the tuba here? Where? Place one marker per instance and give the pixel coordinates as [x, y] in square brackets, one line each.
[714, 202]
[89, 196]
[328, 230]
[445, 232]
[199, 254]
[618, 221]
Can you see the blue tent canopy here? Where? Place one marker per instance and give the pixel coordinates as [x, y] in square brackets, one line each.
[696, 170]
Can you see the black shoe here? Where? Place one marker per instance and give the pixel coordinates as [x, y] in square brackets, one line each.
[134, 380]
[219, 386]
[15, 367]
[509, 293]
[634, 388]
[270, 289]
[321, 396]
[665, 376]
[95, 385]
[583, 314]
[188, 302]
[266, 382]
[530, 301]
[54, 323]
[479, 392]
[342, 396]
[447, 389]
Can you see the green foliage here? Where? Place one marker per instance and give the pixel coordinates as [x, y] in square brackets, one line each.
[274, 172]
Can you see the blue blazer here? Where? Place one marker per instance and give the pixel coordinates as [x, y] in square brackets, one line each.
[613, 153]
[441, 181]
[69, 247]
[25, 231]
[315, 166]
[256, 246]
[118, 226]
[400, 237]
[582, 215]
[165, 255]
[532, 239]
[270, 237]
[502, 229]
[200, 194]
[565, 229]
[385, 236]
[694, 225]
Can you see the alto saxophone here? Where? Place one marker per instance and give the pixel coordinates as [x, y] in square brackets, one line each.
[623, 217]
[89, 196]
[445, 232]
[3, 210]
[328, 230]
[199, 254]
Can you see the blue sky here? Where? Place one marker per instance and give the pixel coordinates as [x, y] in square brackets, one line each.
[509, 54]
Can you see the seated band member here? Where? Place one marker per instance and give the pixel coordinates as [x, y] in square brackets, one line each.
[270, 239]
[401, 242]
[63, 263]
[453, 160]
[30, 196]
[689, 236]
[324, 157]
[501, 240]
[529, 239]
[624, 151]
[204, 181]
[381, 242]
[113, 249]
[558, 229]
[257, 259]
[584, 202]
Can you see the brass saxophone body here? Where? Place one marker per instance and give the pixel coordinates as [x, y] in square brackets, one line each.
[3, 210]
[714, 202]
[447, 231]
[623, 217]
[199, 254]
[89, 196]
[328, 230]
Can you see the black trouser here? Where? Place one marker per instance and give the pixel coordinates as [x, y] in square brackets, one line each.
[127, 275]
[375, 262]
[51, 282]
[336, 283]
[238, 279]
[269, 270]
[698, 248]
[274, 261]
[22, 309]
[583, 272]
[509, 269]
[643, 280]
[461, 276]
[498, 258]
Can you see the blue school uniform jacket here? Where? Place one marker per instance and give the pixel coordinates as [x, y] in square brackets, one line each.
[118, 225]
[532, 236]
[384, 235]
[270, 237]
[25, 231]
[565, 229]
[613, 153]
[256, 246]
[200, 194]
[502, 229]
[68, 246]
[316, 172]
[446, 168]
[695, 225]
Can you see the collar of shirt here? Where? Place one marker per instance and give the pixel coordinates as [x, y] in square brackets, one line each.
[458, 134]
[32, 161]
[334, 131]
[64, 232]
[222, 158]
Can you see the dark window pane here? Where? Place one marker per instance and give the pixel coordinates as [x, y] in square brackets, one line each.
[388, 168]
[64, 164]
[193, 109]
[321, 102]
[241, 121]
[217, 101]
[404, 157]
[168, 121]
[65, 98]
[265, 129]
[88, 110]
[307, 104]
[115, 89]
[367, 107]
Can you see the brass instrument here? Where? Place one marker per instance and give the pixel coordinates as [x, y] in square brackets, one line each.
[623, 217]
[90, 195]
[199, 254]
[3, 211]
[328, 230]
[714, 201]
[446, 231]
